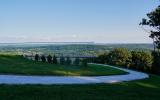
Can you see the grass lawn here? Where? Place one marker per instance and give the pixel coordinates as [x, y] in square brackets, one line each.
[11, 64]
[148, 89]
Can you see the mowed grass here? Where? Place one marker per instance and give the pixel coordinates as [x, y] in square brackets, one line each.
[147, 89]
[12, 64]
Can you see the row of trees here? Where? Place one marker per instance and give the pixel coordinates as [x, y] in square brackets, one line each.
[138, 60]
[62, 60]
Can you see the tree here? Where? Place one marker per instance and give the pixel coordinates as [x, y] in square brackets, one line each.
[68, 61]
[76, 61]
[120, 56]
[156, 63]
[49, 59]
[142, 60]
[136, 55]
[62, 60]
[43, 58]
[153, 21]
[103, 58]
[55, 60]
[36, 57]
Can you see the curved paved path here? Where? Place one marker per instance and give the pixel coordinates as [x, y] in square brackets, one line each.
[47, 80]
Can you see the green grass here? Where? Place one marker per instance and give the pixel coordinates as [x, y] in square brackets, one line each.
[148, 89]
[12, 64]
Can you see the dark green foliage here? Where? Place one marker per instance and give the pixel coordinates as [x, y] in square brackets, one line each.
[36, 57]
[142, 60]
[84, 63]
[76, 61]
[153, 22]
[62, 60]
[55, 60]
[156, 63]
[103, 58]
[49, 59]
[92, 60]
[68, 61]
[138, 60]
[120, 56]
[43, 58]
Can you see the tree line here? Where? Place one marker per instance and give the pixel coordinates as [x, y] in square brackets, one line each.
[145, 61]
[62, 60]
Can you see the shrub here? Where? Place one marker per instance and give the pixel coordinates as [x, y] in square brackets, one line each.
[55, 60]
[49, 59]
[93, 60]
[68, 61]
[62, 60]
[84, 63]
[120, 56]
[43, 58]
[76, 61]
[103, 58]
[36, 57]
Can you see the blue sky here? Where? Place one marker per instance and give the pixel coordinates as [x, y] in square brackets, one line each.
[102, 21]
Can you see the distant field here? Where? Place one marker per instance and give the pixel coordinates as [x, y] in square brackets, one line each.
[12, 64]
[90, 49]
[147, 89]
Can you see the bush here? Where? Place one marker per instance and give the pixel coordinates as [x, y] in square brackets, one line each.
[93, 60]
[142, 60]
[55, 60]
[68, 61]
[62, 60]
[84, 63]
[36, 57]
[43, 58]
[120, 56]
[103, 58]
[76, 61]
[49, 59]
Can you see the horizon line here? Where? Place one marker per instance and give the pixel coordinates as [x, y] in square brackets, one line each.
[72, 43]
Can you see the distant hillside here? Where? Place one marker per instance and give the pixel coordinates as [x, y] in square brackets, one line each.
[68, 49]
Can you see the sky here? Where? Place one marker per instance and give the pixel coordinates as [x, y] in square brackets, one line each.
[100, 21]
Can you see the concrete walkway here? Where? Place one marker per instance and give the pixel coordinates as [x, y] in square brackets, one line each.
[48, 80]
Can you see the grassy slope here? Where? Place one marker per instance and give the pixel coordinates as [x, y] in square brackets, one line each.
[18, 65]
[148, 89]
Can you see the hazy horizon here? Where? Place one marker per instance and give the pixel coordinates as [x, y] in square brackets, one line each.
[67, 43]
[99, 21]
